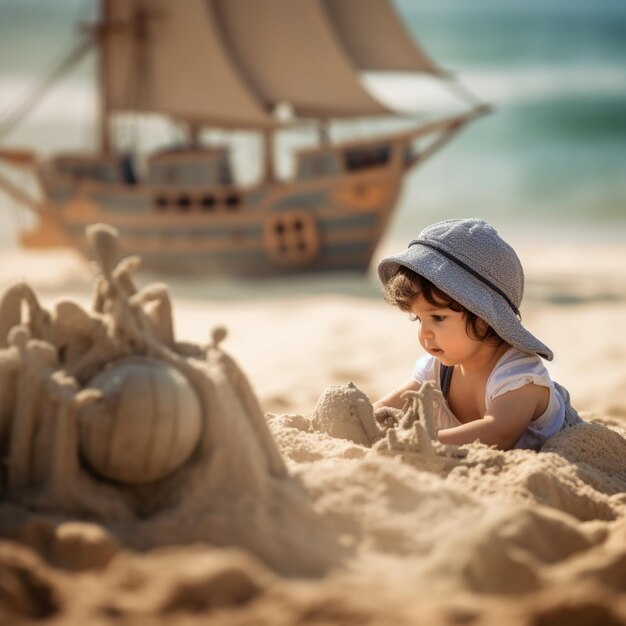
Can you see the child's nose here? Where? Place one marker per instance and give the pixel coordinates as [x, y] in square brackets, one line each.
[425, 332]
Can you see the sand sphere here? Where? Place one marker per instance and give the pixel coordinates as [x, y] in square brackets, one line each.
[344, 411]
[146, 425]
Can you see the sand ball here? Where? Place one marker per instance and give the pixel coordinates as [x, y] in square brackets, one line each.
[146, 425]
[344, 411]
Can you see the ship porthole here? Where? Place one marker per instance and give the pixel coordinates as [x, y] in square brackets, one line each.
[208, 202]
[232, 201]
[161, 202]
[292, 238]
[184, 203]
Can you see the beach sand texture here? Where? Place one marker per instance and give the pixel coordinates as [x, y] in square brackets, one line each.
[312, 514]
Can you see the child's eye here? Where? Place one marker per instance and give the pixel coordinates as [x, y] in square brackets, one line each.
[414, 318]
[438, 318]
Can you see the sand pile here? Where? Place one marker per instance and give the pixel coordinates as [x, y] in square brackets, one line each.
[419, 540]
[215, 511]
[428, 521]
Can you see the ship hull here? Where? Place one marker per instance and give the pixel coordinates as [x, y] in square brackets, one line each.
[331, 217]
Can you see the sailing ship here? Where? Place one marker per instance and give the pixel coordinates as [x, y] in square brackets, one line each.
[232, 65]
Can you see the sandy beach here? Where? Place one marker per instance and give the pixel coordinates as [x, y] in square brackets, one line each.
[377, 536]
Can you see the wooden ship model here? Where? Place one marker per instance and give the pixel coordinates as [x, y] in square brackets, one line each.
[233, 65]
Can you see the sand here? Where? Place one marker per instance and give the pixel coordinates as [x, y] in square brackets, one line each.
[352, 533]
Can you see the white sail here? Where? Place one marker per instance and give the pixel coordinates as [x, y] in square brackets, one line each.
[288, 51]
[232, 62]
[167, 57]
[375, 37]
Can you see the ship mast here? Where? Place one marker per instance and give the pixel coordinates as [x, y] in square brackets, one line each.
[267, 138]
[103, 100]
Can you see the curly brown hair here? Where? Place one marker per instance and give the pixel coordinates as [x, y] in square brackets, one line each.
[406, 285]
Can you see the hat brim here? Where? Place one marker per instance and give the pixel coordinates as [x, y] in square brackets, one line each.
[469, 291]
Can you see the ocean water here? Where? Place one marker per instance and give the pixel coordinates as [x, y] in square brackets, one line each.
[552, 155]
[550, 159]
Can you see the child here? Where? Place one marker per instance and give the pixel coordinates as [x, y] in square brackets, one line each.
[463, 285]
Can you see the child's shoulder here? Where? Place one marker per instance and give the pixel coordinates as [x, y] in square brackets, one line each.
[516, 369]
[514, 358]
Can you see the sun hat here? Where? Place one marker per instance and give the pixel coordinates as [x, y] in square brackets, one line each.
[471, 263]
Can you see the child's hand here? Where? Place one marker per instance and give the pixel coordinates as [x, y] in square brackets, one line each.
[387, 417]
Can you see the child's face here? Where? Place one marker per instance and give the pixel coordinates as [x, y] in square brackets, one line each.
[443, 333]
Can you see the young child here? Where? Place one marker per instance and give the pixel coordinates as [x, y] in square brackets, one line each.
[463, 286]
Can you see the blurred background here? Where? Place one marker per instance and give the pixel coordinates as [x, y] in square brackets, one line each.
[549, 162]
[553, 154]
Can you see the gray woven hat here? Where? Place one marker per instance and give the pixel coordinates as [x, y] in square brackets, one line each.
[469, 261]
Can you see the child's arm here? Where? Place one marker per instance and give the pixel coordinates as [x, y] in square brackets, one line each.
[394, 399]
[506, 420]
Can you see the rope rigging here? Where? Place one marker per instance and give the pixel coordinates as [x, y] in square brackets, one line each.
[12, 118]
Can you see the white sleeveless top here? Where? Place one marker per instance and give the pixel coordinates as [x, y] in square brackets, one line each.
[513, 370]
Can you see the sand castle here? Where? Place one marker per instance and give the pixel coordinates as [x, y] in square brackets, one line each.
[106, 417]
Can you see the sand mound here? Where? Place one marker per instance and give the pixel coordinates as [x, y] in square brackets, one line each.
[469, 520]
[459, 541]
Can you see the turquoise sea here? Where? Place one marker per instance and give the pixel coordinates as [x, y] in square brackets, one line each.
[553, 153]
[551, 158]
